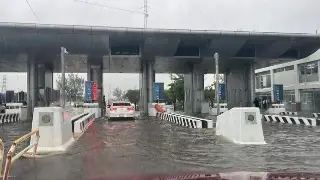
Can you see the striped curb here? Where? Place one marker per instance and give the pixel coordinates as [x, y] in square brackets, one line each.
[289, 113]
[316, 115]
[187, 121]
[9, 118]
[292, 120]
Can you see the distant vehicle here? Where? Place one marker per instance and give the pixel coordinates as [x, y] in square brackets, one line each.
[120, 110]
[2, 108]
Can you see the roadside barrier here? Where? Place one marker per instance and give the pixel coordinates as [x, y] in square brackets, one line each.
[289, 113]
[9, 118]
[292, 120]
[11, 158]
[58, 128]
[76, 118]
[241, 125]
[82, 124]
[316, 115]
[187, 121]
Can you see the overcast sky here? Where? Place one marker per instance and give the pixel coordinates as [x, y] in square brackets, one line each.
[253, 15]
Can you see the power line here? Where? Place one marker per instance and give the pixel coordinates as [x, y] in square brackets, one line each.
[110, 7]
[34, 13]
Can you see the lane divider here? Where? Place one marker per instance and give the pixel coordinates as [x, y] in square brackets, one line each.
[289, 113]
[187, 121]
[9, 118]
[292, 120]
[316, 115]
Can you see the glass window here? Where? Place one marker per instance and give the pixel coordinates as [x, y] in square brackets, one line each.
[278, 70]
[288, 68]
[308, 72]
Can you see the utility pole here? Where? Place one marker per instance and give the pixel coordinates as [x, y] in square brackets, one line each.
[63, 76]
[146, 15]
[216, 58]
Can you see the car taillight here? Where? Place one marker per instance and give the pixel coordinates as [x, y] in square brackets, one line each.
[131, 108]
[113, 109]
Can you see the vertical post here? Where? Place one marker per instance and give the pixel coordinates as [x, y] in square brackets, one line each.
[63, 76]
[216, 58]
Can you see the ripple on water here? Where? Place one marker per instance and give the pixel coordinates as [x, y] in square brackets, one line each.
[157, 146]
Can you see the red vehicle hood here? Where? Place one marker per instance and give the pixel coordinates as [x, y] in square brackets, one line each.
[218, 176]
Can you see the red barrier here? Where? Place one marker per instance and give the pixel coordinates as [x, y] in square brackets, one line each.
[159, 108]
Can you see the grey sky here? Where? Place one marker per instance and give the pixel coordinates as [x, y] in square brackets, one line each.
[258, 15]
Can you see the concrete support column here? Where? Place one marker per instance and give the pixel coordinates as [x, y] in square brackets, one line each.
[193, 90]
[240, 86]
[95, 73]
[151, 79]
[32, 85]
[198, 89]
[252, 80]
[188, 93]
[272, 82]
[45, 84]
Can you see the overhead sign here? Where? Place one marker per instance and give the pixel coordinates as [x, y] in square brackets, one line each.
[278, 92]
[222, 91]
[158, 91]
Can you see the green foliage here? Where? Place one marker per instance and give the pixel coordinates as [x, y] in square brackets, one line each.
[176, 89]
[209, 94]
[74, 86]
[118, 93]
[133, 95]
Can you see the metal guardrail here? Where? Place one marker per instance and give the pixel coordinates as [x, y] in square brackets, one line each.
[11, 158]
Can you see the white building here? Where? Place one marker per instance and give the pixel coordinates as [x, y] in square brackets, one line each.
[300, 79]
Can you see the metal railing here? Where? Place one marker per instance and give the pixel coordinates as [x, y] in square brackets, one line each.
[11, 158]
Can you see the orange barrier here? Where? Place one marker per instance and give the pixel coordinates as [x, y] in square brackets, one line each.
[11, 158]
[158, 108]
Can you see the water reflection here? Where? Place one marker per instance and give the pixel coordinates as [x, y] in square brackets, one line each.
[152, 146]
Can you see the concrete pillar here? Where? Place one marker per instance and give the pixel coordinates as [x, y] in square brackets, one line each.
[45, 83]
[188, 93]
[151, 79]
[144, 89]
[252, 80]
[32, 85]
[95, 73]
[272, 82]
[198, 89]
[193, 90]
[240, 86]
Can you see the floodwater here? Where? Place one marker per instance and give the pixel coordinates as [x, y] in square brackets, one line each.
[154, 146]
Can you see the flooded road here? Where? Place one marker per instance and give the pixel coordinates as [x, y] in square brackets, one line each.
[153, 146]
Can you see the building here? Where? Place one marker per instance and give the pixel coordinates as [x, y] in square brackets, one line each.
[301, 83]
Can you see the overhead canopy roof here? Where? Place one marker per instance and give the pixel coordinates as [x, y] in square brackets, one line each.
[183, 43]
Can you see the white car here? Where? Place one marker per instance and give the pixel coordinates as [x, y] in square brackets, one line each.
[120, 110]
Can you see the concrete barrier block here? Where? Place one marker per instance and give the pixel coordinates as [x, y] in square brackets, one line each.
[82, 124]
[55, 129]
[241, 126]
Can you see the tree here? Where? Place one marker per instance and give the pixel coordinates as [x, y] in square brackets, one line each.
[118, 93]
[133, 95]
[74, 85]
[176, 89]
[209, 91]
[209, 94]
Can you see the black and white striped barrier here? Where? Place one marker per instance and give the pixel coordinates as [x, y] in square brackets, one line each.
[292, 120]
[187, 121]
[316, 115]
[289, 113]
[9, 118]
